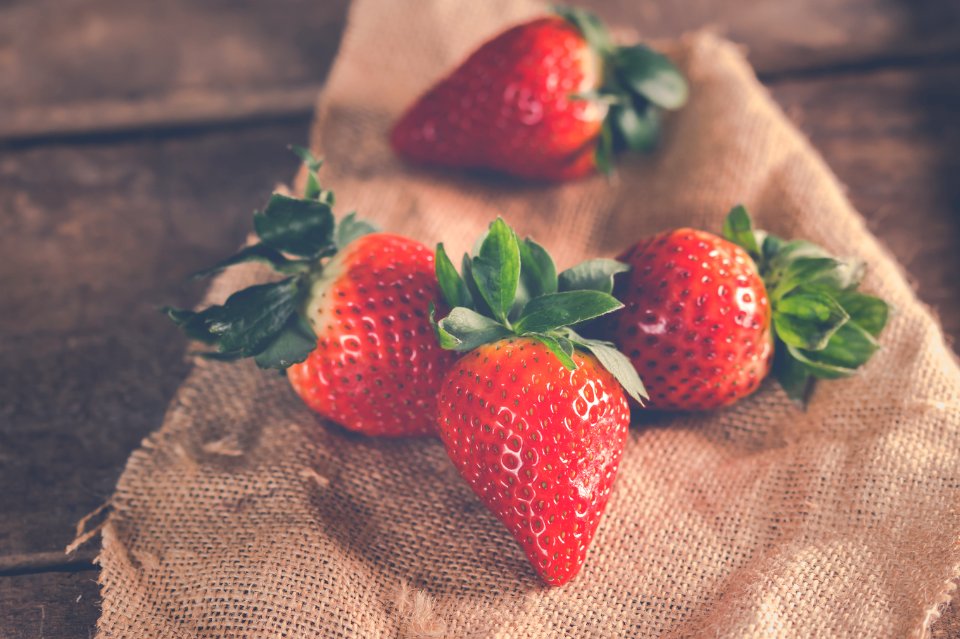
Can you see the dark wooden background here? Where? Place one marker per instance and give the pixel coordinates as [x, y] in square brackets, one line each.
[136, 138]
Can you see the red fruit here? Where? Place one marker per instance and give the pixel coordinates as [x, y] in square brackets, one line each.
[348, 321]
[377, 364]
[697, 320]
[538, 443]
[528, 102]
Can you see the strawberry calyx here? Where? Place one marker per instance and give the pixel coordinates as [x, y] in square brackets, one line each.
[824, 327]
[510, 287]
[267, 321]
[638, 85]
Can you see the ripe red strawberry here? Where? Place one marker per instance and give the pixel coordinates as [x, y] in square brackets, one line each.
[703, 314]
[539, 444]
[534, 416]
[376, 365]
[548, 99]
[349, 323]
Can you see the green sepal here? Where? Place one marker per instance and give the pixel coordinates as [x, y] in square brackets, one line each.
[258, 253]
[312, 190]
[464, 329]
[738, 228]
[556, 310]
[537, 308]
[592, 275]
[808, 319]
[635, 126]
[454, 289]
[247, 322]
[824, 327]
[466, 270]
[792, 375]
[561, 347]
[651, 75]
[292, 345]
[312, 162]
[350, 228]
[848, 349]
[603, 155]
[868, 312]
[590, 26]
[615, 362]
[192, 323]
[496, 269]
[299, 227]
[537, 270]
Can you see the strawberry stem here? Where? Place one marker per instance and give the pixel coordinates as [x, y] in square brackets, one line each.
[511, 287]
[824, 327]
[266, 321]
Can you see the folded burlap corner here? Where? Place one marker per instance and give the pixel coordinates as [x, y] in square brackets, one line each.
[245, 516]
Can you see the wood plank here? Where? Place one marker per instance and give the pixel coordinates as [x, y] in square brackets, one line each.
[783, 36]
[78, 65]
[49, 605]
[891, 137]
[71, 66]
[95, 237]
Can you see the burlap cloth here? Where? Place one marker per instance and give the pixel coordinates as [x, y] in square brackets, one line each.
[246, 516]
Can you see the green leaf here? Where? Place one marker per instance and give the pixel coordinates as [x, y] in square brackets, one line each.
[247, 323]
[792, 375]
[738, 228]
[479, 304]
[617, 363]
[798, 272]
[603, 155]
[464, 330]
[454, 289]
[350, 228]
[821, 370]
[850, 347]
[846, 275]
[637, 129]
[651, 75]
[292, 345]
[553, 311]
[312, 189]
[258, 253]
[770, 245]
[193, 324]
[561, 347]
[291, 225]
[870, 313]
[592, 275]
[251, 318]
[496, 270]
[306, 156]
[590, 26]
[537, 270]
[808, 319]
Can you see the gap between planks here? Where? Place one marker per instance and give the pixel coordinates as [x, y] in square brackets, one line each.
[191, 110]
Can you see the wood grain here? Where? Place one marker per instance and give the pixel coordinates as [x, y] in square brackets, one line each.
[78, 66]
[49, 605]
[891, 136]
[94, 238]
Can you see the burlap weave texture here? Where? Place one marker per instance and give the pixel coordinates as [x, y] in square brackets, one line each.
[246, 516]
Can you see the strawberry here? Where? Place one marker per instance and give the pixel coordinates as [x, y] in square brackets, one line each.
[549, 99]
[534, 416]
[704, 314]
[349, 323]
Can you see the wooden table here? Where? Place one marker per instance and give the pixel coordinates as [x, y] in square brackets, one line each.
[136, 137]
